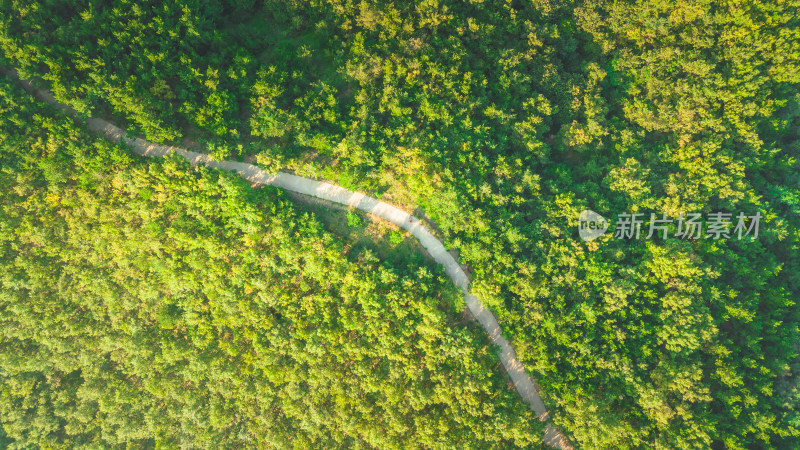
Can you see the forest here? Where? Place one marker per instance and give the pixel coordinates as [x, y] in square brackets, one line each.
[157, 304]
[500, 119]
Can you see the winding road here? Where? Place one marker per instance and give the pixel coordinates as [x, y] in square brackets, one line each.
[523, 383]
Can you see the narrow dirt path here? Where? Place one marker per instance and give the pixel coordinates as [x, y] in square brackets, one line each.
[523, 383]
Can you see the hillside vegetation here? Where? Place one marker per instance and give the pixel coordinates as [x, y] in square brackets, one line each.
[503, 120]
[154, 304]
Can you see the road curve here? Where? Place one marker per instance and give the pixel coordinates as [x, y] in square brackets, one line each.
[523, 383]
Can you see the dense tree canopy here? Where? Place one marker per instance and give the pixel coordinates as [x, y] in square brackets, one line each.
[503, 120]
[157, 304]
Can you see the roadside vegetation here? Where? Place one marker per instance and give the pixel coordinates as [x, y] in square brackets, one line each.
[502, 121]
[155, 304]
